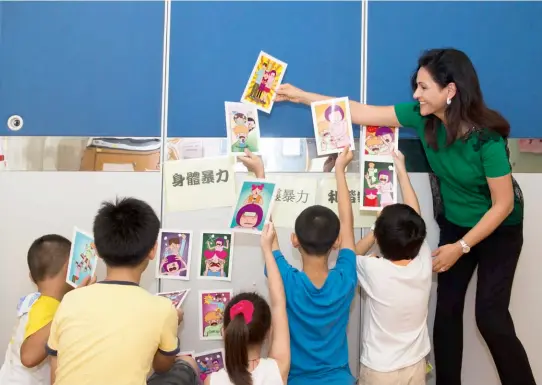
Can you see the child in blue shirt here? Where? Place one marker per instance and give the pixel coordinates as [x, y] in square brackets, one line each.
[318, 299]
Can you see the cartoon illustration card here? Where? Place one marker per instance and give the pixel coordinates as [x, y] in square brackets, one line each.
[83, 258]
[216, 255]
[212, 304]
[242, 127]
[379, 141]
[177, 297]
[266, 76]
[209, 362]
[379, 184]
[254, 206]
[174, 251]
[332, 126]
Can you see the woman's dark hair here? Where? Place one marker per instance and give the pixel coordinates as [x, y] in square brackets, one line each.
[467, 107]
[247, 321]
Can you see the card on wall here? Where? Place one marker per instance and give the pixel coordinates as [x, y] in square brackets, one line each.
[379, 184]
[254, 206]
[83, 258]
[379, 141]
[216, 255]
[332, 126]
[242, 128]
[210, 361]
[174, 254]
[212, 304]
[378, 177]
[177, 297]
[265, 78]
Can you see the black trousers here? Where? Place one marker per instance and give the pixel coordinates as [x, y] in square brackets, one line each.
[496, 257]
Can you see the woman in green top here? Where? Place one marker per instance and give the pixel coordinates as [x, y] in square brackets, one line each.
[478, 205]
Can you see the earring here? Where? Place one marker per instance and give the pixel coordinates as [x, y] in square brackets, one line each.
[448, 101]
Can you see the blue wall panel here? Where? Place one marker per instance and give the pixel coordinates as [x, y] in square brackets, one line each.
[214, 46]
[82, 68]
[501, 38]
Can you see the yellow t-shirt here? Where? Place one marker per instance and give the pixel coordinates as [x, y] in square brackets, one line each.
[34, 312]
[108, 333]
[41, 313]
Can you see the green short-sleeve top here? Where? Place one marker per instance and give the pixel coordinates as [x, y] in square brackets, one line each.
[462, 169]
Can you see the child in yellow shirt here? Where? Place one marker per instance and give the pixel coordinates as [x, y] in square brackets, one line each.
[26, 358]
[114, 332]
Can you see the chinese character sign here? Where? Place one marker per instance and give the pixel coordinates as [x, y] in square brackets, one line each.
[195, 184]
[292, 197]
[254, 206]
[327, 196]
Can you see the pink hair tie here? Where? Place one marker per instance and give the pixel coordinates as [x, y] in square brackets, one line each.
[244, 307]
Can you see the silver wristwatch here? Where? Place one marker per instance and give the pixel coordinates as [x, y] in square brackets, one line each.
[464, 246]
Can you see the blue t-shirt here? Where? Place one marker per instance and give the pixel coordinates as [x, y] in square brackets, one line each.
[318, 318]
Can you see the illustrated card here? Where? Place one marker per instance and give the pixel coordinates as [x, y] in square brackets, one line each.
[216, 255]
[379, 141]
[177, 297]
[212, 304]
[254, 206]
[190, 353]
[332, 126]
[174, 251]
[83, 258]
[265, 78]
[209, 362]
[379, 182]
[243, 128]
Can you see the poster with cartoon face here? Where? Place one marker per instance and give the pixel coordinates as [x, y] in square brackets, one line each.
[254, 206]
[332, 126]
[210, 361]
[174, 251]
[212, 304]
[242, 128]
[216, 255]
[177, 297]
[83, 258]
[265, 78]
[379, 184]
[379, 141]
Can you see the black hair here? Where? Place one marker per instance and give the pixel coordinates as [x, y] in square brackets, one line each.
[467, 107]
[317, 229]
[47, 255]
[238, 335]
[125, 232]
[399, 232]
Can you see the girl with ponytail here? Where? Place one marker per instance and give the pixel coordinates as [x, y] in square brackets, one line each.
[248, 323]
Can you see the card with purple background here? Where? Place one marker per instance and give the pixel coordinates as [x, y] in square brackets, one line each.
[212, 304]
[174, 251]
[209, 362]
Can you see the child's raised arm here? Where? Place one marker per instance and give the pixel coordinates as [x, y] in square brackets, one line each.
[346, 216]
[280, 342]
[409, 195]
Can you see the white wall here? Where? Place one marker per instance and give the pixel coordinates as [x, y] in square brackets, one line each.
[36, 203]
